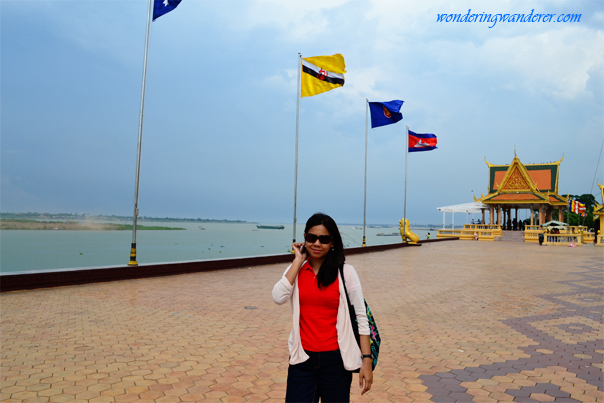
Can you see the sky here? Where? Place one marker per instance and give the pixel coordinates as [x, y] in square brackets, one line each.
[220, 106]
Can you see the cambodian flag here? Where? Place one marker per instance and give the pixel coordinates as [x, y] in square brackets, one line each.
[421, 141]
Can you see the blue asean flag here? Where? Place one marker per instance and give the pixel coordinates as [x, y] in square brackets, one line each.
[385, 113]
[421, 142]
[161, 7]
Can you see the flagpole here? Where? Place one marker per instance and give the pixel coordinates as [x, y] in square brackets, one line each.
[405, 203]
[297, 127]
[132, 261]
[365, 191]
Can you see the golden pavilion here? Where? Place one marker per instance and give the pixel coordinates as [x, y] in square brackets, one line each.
[519, 186]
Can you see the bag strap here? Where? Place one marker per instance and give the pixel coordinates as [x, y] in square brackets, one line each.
[344, 284]
[351, 311]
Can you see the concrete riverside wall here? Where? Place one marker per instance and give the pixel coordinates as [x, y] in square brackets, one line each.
[28, 281]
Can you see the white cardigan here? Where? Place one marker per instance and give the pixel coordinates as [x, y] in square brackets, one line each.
[351, 353]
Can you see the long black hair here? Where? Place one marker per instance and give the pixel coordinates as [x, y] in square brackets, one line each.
[328, 272]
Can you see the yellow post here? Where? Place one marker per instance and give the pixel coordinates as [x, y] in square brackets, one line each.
[132, 261]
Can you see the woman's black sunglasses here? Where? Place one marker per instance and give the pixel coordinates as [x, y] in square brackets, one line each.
[312, 238]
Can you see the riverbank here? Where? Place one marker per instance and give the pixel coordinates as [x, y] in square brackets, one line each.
[12, 224]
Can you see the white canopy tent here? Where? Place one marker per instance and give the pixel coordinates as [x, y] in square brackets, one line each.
[468, 208]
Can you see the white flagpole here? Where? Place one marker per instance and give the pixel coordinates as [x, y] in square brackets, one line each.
[406, 153]
[297, 127]
[132, 261]
[365, 191]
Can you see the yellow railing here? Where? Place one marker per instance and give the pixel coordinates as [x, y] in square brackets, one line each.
[487, 232]
[495, 229]
[588, 237]
[531, 236]
[484, 232]
[447, 233]
[531, 233]
[562, 239]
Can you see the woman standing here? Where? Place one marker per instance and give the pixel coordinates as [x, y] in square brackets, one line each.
[322, 347]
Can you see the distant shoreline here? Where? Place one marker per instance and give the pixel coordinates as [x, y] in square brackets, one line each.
[12, 224]
[91, 217]
[69, 217]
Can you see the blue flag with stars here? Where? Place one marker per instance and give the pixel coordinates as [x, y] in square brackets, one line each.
[385, 113]
[161, 7]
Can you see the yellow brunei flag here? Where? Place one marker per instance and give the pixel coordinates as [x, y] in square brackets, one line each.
[322, 74]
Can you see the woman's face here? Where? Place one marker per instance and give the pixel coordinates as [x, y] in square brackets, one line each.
[316, 249]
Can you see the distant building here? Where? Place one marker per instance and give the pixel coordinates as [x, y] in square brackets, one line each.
[519, 186]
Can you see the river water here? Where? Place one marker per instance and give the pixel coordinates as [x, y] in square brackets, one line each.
[31, 250]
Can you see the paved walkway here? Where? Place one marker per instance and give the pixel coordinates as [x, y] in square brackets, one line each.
[459, 321]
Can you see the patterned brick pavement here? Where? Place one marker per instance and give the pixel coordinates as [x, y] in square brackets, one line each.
[460, 321]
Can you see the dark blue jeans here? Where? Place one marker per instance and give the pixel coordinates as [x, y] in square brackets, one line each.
[321, 376]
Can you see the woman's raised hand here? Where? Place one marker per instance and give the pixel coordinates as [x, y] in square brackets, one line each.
[296, 247]
[297, 263]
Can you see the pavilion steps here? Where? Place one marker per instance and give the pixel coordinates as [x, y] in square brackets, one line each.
[511, 236]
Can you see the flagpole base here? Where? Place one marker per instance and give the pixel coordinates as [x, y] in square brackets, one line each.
[132, 261]
[364, 244]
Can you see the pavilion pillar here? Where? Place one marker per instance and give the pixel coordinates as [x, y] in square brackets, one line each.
[491, 216]
[498, 215]
[538, 215]
[561, 214]
[541, 215]
[482, 217]
[532, 214]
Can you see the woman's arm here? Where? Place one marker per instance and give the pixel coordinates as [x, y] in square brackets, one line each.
[355, 293]
[366, 372]
[284, 287]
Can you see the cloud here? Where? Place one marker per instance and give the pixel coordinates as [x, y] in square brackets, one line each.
[299, 21]
[552, 59]
[595, 83]
[556, 62]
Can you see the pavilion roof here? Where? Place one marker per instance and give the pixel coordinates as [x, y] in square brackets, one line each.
[544, 176]
[517, 183]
